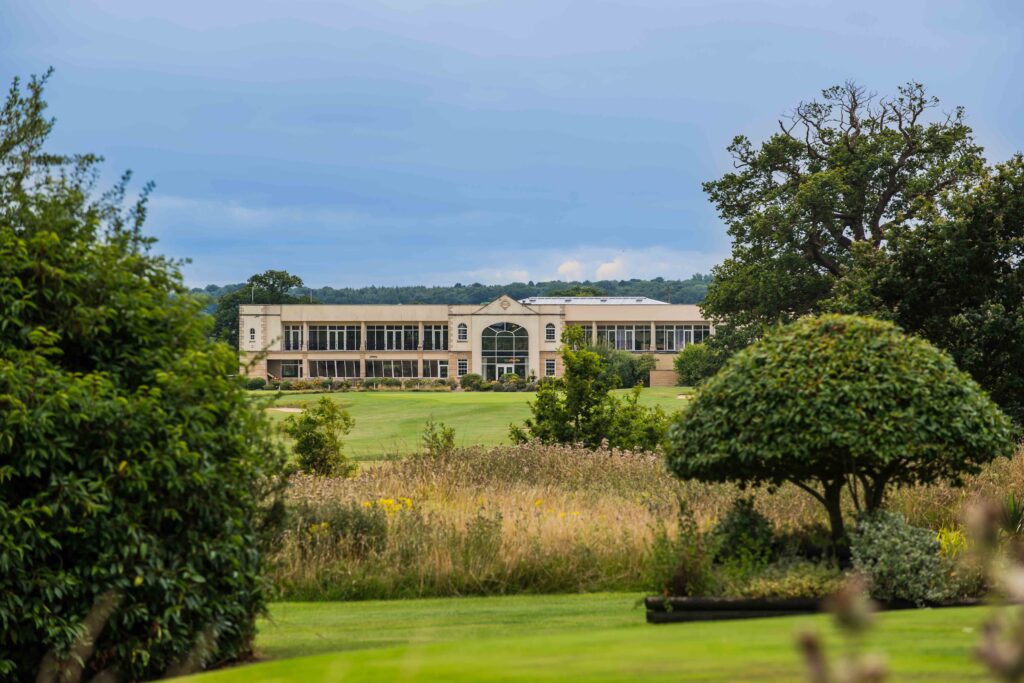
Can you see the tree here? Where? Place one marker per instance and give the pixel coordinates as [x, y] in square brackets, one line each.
[624, 368]
[578, 290]
[268, 287]
[137, 485]
[838, 402]
[579, 408]
[694, 364]
[319, 436]
[872, 207]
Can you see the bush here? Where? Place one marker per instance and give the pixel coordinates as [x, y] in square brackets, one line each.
[694, 364]
[327, 384]
[833, 399]
[137, 480]
[471, 381]
[318, 433]
[438, 439]
[797, 579]
[744, 534]
[371, 383]
[900, 562]
[624, 368]
[286, 385]
[255, 383]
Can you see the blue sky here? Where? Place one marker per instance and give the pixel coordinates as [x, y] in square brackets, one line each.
[408, 142]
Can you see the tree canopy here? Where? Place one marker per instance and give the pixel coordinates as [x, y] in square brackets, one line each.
[268, 287]
[838, 402]
[879, 206]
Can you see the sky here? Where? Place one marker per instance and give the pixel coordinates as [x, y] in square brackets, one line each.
[402, 142]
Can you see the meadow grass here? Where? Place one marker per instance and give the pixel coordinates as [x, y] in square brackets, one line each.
[571, 637]
[389, 423]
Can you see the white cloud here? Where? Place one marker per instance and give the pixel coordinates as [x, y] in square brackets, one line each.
[571, 270]
[611, 270]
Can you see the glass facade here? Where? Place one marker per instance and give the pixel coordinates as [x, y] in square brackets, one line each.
[333, 368]
[625, 337]
[291, 368]
[392, 338]
[675, 337]
[505, 348]
[435, 368]
[293, 337]
[334, 337]
[391, 368]
[435, 337]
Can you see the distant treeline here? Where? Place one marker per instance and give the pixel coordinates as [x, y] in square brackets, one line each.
[690, 291]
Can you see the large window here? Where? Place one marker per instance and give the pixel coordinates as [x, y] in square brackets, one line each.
[293, 337]
[549, 332]
[435, 337]
[291, 368]
[333, 368]
[334, 337]
[392, 338]
[391, 368]
[625, 337]
[505, 349]
[463, 332]
[675, 337]
[435, 368]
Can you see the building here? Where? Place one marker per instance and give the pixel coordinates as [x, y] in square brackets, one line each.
[503, 336]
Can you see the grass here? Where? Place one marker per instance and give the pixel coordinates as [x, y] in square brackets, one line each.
[575, 637]
[389, 423]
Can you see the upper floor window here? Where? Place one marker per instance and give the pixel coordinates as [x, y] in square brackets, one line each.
[293, 337]
[625, 337]
[463, 332]
[435, 337]
[252, 334]
[676, 337]
[334, 337]
[392, 338]
[549, 332]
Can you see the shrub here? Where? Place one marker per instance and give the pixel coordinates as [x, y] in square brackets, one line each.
[744, 534]
[624, 368]
[285, 385]
[327, 384]
[681, 563]
[694, 364]
[797, 579]
[834, 399]
[471, 381]
[391, 382]
[438, 439]
[371, 383]
[318, 433]
[137, 480]
[900, 562]
[255, 383]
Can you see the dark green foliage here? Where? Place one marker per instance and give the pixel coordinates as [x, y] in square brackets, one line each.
[578, 408]
[899, 561]
[471, 381]
[695, 363]
[833, 400]
[318, 433]
[624, 368]
[255, 383]
[136, 483]
[744, 534]
[689, 291]
[268, 287]
[877, 207]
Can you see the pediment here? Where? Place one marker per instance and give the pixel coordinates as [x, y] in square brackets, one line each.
[504, 305]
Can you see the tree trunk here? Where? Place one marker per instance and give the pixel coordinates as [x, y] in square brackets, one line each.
[833, 500]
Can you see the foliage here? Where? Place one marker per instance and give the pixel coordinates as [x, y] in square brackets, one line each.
[795, 579]
[318, 433]
[744, 534]
[871, 207]
[690, 291]
[471, 381]
[899, 561]
[438, 439]
[268, 287]
[578, 408]
[136, 484]
[625, 369]
[834, 400]
[681, 563]
[695, 363]
[255, 383]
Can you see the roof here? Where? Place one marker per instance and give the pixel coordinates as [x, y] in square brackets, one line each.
[591, 300]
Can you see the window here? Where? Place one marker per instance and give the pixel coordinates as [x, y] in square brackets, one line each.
[675, 337]
[463, 332]
[505, 349]
[435, 368]
[625, 337]
[549, 367]
[391, 368]
[392, 337]
[334, 337]
[463, 366]
[435, 337]
[293, 337]
[252, 334]
[334, 368]
[291, 368]
[549, 332]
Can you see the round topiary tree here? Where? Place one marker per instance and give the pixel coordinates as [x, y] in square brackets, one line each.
[137, 485]
[838, 402]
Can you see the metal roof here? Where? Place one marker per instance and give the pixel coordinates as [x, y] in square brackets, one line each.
[591, 300]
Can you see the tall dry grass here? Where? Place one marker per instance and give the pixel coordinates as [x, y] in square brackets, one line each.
[530, 518]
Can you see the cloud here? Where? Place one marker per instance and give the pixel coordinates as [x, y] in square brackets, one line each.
[611, 270]
[571, 270]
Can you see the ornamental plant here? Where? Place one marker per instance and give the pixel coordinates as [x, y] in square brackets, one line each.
[319, 434]
[138, 488]
[836, 403]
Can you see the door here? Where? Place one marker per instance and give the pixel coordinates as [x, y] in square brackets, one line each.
[504, 368]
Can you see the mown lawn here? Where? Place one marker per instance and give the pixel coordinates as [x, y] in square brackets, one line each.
[389, 423]
[574, 638]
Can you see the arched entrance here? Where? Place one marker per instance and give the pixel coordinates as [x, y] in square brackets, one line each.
[505, 348]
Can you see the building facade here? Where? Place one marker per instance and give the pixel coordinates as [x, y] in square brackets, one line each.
[441, 341]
